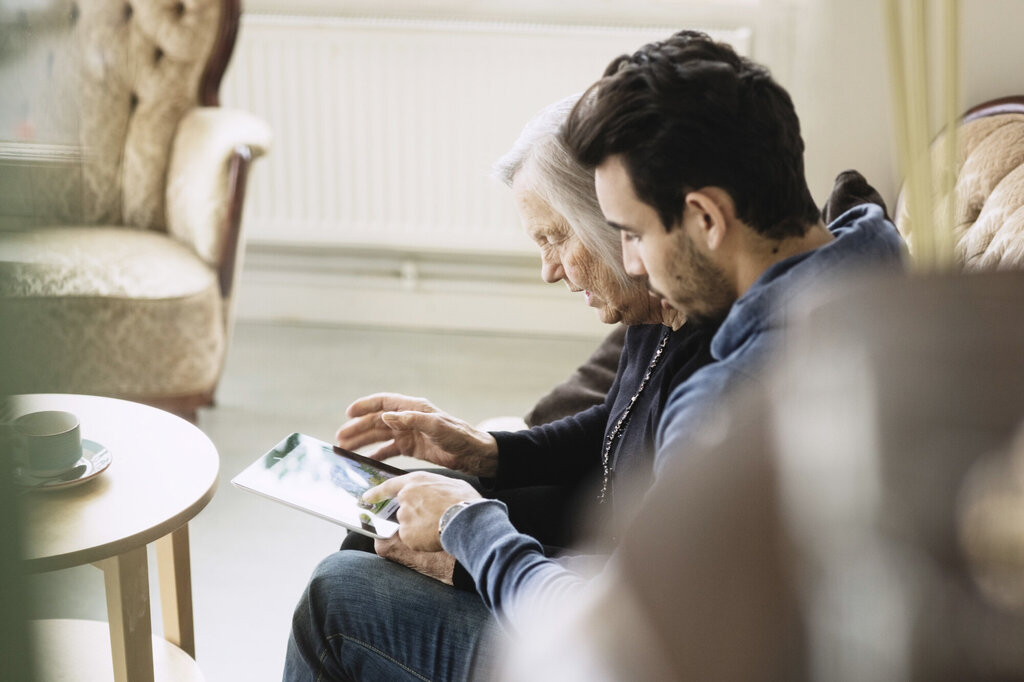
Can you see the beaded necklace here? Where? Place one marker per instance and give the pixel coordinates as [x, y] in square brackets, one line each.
[620, 425]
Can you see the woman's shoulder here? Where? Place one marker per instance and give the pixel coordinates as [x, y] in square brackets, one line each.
[691, 335]
[643, 339]
[697, 330]
[638, 333]
[689, 349]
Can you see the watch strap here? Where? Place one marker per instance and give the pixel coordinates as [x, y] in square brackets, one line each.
[451, 512]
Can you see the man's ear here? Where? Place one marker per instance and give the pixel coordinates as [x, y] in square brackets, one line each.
[712, 208]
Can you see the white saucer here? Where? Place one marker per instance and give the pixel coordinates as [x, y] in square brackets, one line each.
[95, 457]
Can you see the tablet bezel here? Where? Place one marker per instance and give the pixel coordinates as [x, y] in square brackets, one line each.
[253, 479]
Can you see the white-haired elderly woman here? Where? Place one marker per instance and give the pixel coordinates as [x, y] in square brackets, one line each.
[534, 471]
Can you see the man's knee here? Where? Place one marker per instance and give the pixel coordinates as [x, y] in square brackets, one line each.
[342, 571]
[321, 613]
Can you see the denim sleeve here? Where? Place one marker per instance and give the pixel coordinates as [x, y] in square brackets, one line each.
[690, 406]
[506, 565]
[697, 404]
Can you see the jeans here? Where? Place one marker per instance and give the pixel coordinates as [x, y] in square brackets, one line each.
[365, 618]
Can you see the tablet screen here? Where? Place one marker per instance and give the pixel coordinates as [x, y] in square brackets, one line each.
[309, 474]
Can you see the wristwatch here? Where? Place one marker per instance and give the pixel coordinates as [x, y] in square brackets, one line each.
[451, 512]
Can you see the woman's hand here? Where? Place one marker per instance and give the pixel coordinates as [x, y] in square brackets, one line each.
[418, 429]
[437, 565]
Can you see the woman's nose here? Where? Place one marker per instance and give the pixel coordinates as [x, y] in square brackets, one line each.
[551, 271]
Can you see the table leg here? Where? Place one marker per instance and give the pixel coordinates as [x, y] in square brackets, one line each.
[173, 567]
[131, 630]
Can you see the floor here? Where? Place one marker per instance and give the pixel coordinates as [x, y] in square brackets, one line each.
[250, 556]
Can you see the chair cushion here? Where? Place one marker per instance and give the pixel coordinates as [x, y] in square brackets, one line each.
[110, 311]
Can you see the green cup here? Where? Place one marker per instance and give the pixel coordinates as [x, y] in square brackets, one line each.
[50, 441]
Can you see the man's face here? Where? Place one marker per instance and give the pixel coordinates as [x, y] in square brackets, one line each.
[672, 262]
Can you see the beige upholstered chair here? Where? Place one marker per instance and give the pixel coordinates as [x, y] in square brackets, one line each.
[122, 201]
[989, 216]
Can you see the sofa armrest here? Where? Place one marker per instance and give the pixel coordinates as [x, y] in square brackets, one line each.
[199, 187]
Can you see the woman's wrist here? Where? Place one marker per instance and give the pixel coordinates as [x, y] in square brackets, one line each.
[486, 464]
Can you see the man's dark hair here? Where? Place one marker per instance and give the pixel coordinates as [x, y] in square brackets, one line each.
[687, 113]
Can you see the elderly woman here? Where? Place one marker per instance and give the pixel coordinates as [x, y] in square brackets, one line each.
[593, 450]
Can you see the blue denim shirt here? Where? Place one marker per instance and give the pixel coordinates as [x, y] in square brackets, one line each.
[508, 566]
[754, 324]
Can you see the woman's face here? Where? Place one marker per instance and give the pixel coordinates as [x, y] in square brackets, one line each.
[564, 257]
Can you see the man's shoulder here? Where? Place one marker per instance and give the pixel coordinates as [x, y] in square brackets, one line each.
[866, 228]
[717, 377]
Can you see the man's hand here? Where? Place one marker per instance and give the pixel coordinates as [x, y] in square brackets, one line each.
[422, 498]
[418, 429]
[436, 565]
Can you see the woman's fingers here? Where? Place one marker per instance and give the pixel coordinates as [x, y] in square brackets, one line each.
[387, 402]
[355, 433]
[378, 427]
[434, 425]
[392, 449]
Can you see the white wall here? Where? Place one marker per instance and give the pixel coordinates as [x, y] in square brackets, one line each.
[830, 54]
[836, 69]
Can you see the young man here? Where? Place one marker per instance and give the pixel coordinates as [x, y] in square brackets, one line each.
[699, 165]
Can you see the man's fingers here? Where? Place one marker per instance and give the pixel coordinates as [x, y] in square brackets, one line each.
[386, 490]
[394, 486]
[386, 547]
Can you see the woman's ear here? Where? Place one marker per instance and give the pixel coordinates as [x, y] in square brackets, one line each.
[711, 206]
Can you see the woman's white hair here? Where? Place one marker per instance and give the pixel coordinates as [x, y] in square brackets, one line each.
[564, 184]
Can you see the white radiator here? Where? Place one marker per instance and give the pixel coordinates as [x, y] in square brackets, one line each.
[385, 130]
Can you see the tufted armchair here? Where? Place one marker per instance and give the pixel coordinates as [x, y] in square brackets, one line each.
[988, 229]
[122, 186]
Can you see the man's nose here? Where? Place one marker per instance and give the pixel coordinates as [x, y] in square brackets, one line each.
[631, 260]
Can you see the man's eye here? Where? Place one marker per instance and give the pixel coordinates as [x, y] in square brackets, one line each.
[631, 237]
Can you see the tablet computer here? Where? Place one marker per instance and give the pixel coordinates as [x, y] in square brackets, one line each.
[324, 480]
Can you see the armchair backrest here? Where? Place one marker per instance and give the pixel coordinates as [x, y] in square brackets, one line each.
[988, 228]
[121, 75]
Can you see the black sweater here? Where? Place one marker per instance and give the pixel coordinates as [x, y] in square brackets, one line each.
[567, 452]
